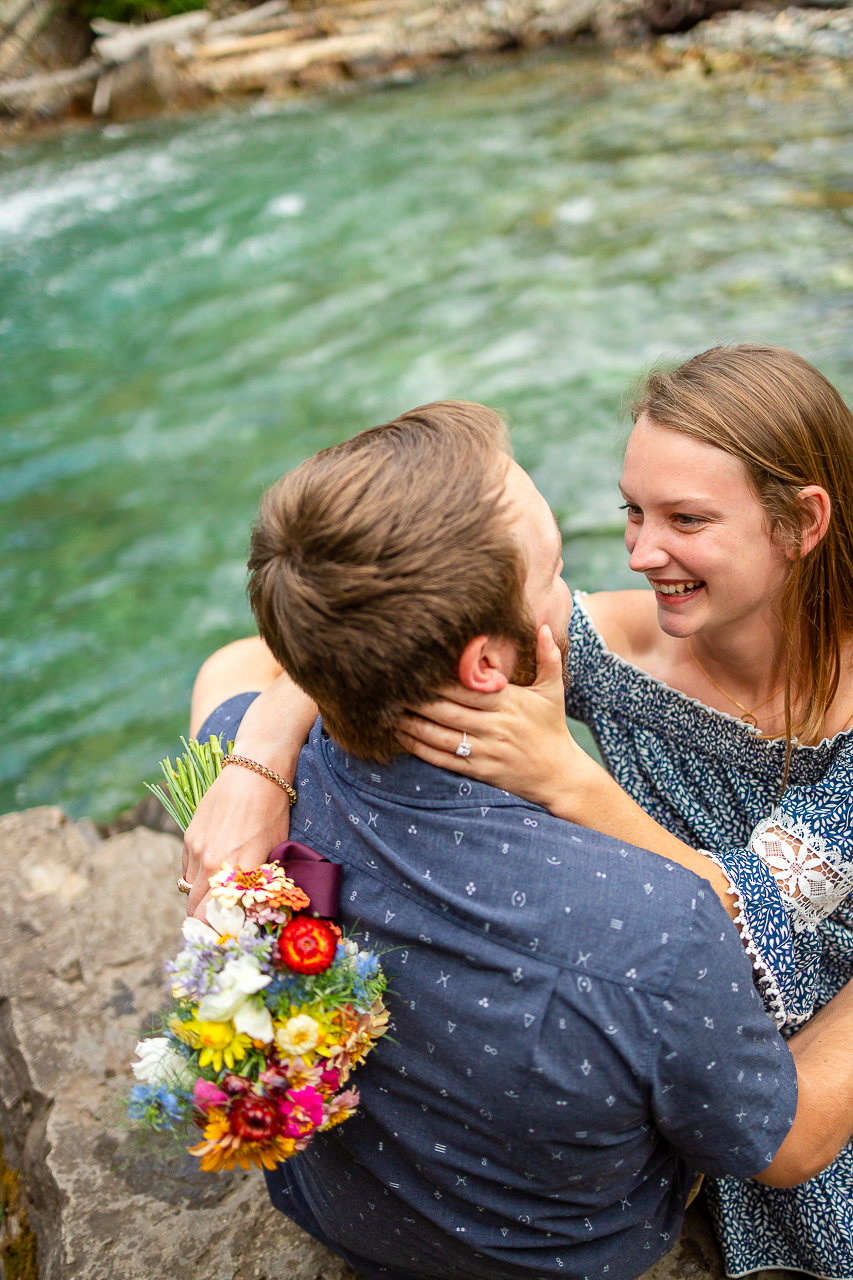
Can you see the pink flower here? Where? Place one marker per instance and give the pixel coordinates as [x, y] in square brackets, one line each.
[303, 1110]
[331, 1078]
[208, 1095]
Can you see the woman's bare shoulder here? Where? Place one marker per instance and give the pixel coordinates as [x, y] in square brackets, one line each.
[626, 621]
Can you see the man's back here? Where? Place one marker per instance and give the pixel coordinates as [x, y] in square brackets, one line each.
[569, 1016]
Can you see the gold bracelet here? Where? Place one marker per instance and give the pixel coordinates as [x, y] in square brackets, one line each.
[264, 772]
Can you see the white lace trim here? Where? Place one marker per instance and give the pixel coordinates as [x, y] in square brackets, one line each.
[768, 987]
[813, 878]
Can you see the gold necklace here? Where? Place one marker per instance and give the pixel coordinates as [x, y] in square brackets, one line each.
[748, 717]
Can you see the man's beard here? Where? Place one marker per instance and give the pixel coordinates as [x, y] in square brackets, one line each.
[524, 671]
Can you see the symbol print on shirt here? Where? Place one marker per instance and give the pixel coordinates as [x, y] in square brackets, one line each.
[484, 1002]
[517, 974]
[431, 1047]
[504, 848]
[470, 888]
[328, 797]
[389, 916]
[709, 1022]
[611, 1030]
[484, 809]
[583, 956]
[442, 981]
[457, 836]
[441, 1148]
[451, 1027]
[353, 895]
[413, 831]
[531, 822]
[529, 1019]
[423, 938]
[354, 819]
[337, 844]
[649, 888]
[487, 1048]
[518, 898]
[464, 788]
[373, 864]
[371, 819]
[307, 824]
[553, 862]
[584, 984]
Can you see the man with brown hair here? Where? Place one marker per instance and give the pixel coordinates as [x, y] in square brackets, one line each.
[576, 1032]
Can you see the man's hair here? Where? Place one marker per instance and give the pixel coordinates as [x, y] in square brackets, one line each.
[375, 562]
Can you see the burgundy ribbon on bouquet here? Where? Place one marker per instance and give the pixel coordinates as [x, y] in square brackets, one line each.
[315, 875]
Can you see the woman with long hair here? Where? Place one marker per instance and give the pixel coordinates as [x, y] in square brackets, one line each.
[721, 702]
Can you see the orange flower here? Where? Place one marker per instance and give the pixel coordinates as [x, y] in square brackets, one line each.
[223, 1148]
[306, 945]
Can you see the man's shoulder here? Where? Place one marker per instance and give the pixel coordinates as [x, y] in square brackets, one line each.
[499, 868]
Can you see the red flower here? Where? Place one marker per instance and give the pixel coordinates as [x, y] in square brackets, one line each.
[306, 945]
[254, 1119]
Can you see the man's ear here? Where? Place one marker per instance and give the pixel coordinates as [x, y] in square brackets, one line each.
[815, 508]
[484, 663]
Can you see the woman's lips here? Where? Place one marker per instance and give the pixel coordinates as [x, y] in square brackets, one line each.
[671, 593]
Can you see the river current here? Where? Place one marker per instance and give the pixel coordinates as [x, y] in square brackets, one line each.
[189, 308]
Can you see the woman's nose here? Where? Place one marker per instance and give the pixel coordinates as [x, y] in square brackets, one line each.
[645, 548]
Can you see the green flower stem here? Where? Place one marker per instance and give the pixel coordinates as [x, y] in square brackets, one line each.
[189, 778]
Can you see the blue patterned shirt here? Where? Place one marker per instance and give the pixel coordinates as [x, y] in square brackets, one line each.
[575, 1033]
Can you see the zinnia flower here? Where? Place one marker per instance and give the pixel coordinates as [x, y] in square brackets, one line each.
[298, 1036]
[265, 889]
[304, 1112]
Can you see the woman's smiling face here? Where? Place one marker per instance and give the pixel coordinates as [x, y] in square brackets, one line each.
[697, 531]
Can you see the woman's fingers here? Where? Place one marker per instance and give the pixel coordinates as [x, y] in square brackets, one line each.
[432, 755]
[430, 734]
[549, 665]
[455, 701]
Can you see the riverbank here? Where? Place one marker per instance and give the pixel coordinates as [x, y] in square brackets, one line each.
[284, 49]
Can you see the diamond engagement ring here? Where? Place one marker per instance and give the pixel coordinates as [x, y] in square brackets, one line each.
[184, 885]
[464, 748]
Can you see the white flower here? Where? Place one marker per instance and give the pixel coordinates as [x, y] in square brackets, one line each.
[160, 1064]
[239, 979]
[298, 1036]
[253, 1017]
[222, 922]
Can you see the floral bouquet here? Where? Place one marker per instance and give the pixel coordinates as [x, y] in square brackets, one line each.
[273, 1009]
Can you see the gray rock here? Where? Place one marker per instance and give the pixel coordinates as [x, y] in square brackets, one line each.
[86, 927]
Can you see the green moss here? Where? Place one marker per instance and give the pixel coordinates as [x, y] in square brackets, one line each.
[134, 10]
[18, 1245]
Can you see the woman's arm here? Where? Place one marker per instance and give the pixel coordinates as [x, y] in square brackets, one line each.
[521, 743]
[243, 816]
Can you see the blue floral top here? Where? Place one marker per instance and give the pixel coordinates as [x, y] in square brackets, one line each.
[714, 782]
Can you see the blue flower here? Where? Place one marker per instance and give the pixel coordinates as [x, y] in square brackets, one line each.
[159, 1108]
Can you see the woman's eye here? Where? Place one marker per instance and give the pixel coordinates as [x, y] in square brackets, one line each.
[631, 509]
[687, 522]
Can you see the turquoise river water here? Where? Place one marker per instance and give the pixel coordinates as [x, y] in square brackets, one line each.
[189, 308]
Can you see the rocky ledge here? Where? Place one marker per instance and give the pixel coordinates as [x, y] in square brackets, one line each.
[285, 47]
[87, 924]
